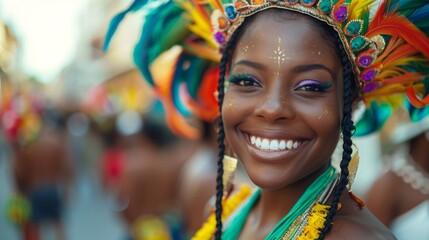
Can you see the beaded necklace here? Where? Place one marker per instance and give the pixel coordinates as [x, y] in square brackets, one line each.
[303, 221]
[412, 174]
[229, 205]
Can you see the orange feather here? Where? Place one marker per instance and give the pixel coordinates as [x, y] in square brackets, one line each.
[207, 105]
[401, 52]
[396, 25]
[404, 79]
[414, 100]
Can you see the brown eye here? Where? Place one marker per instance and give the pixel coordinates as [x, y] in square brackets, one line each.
[313, 86]
[244, 80]
[248, 82]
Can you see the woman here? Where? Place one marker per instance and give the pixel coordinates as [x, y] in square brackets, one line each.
[289, 74]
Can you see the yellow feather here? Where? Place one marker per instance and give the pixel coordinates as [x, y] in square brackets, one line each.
[356, 8]
[200, 26]
[403, 62]
[392, 94]
[203, 51]
[207, 35]
[198, 18]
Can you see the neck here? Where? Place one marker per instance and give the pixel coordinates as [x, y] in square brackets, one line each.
[273, 205]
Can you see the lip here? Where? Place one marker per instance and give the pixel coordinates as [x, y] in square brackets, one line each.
[270, 155]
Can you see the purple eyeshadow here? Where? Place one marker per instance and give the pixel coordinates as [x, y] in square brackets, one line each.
[309, 82]
[323, 86]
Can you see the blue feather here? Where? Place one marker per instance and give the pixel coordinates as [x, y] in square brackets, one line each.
[420, 13]
[114, 23]
[175, 86]
[140, 50]
[417, 114]
[373, 119]
[144, 53]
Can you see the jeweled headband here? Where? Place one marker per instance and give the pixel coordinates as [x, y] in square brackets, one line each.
[363, 39]
[389, 50]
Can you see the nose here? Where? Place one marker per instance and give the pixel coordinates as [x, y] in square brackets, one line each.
[275, 105]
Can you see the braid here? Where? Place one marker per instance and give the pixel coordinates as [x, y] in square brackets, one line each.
[347, 130]
[221, 135]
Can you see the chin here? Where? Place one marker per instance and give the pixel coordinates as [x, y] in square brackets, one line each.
[273, 179]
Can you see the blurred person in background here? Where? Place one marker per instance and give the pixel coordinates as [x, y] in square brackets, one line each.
[40, 165]
[400, 197]
[149, 177]
[112, 157]
[43, 174]
[198, 180]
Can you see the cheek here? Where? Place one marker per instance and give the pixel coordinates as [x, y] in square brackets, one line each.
[228, 105]
[324, 117]
[229, 111]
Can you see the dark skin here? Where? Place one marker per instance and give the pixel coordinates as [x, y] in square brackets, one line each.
[196, 188]
[151, 177]
[297, 98]
[402, 197]
[42, 163]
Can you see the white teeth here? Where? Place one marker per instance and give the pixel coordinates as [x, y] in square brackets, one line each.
[258, 142]
[274, 145]
[289, 144]
[295, 145]
[282, 144]
[265, 144]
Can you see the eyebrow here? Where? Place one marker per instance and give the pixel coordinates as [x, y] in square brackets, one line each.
[309, 67]
[298, 69]
[249, 64]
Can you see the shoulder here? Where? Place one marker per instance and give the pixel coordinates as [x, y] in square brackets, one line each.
[353, 228]
[387, 182]
[388, 187]
[355, 223]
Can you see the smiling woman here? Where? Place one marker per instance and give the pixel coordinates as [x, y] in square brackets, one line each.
[283, 101]
[289, 76]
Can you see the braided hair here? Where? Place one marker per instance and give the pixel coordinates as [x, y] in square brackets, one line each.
[347, 128]
[347, 125]
[227, 52]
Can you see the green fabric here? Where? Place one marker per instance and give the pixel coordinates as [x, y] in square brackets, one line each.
[233, 231]
[304, 202]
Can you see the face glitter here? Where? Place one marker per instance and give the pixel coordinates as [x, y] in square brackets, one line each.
[279, 56]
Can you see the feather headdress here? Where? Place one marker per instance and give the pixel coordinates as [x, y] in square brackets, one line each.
[179, 51]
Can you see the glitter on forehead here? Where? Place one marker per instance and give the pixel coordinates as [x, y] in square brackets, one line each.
[279, 56]
[249, 45]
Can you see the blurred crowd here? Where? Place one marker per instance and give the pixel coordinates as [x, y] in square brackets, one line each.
[109, 146]
[112, 147]
[147, 176]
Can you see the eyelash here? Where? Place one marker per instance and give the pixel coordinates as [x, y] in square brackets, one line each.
[250, 81]
[315, 86]
[244, 80]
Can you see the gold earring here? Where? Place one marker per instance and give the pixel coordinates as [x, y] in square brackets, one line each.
[353, 167]
[229, 166]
